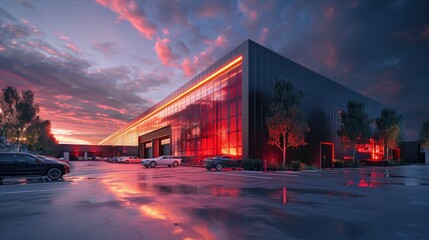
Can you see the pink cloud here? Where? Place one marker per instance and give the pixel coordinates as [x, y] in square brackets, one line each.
[163, 50]
[105, 107]
[108, 48]
[329, 55]
[251, 14]
[414, 34]
[63, 97]
[263, 35]
[221, 41]
[62, 36]
[425, 32]
[329, 12]
[73, 47]
[386, 87]
[188, 68]
[131, 11]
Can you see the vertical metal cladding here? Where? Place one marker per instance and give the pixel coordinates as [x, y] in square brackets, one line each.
[323, 100]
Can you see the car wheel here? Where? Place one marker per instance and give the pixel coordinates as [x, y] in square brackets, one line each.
[127, 161]
[152, 164]
[209, 168]
[54, 173]
[169, 165]
[218, 166]
[175, 164]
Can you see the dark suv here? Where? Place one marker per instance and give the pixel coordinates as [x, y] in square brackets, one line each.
[23, 164]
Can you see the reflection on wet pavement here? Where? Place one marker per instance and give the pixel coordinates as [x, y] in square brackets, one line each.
[189, 203]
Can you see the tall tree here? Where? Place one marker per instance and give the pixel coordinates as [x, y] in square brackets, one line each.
[40, 139]
[19, 111]
[20, 124]
[388, 129]
[424, 134]
[355, 126]
[285, 122]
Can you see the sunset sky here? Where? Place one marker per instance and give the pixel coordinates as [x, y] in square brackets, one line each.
[96, 65]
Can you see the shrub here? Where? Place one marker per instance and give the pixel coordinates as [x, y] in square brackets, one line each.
[304, 166]
[253, 164]
[295, 165]
[281, 167]
[339, 163]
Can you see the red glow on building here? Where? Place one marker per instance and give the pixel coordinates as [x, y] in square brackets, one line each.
[375, 150]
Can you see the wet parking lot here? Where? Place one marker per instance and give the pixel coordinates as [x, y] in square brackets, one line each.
[101, 200]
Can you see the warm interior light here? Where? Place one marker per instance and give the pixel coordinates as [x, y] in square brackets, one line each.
[207, 79]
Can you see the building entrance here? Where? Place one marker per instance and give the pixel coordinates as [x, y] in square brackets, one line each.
[326, 154]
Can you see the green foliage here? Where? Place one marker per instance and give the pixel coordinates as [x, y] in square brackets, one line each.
[388, 129]
[40, 139]
[20, 123]
[424, 134]
[355, 126]
[295, 165]
[339, 163]
[285, 122]
[18, 111]
[253, 164]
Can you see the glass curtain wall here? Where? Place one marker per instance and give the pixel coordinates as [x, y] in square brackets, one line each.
[206, 121]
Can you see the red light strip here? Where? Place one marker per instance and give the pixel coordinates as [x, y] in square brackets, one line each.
[207, 79]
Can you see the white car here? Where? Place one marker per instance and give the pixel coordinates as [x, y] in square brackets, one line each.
[129, 159]
[163, 160]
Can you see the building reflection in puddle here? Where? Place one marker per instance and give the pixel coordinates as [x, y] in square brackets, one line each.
[225, 192]
[131, 194]
[279, 195]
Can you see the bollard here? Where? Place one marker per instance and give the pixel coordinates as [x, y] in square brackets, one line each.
[265, 165]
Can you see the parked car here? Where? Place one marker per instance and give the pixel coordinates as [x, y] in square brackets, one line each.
[52, 158]
[163, 160]
[219, 162]
[23, 164]
[113, 159]
[129, 159]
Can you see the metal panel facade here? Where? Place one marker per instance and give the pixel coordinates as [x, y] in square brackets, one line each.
[322, 101]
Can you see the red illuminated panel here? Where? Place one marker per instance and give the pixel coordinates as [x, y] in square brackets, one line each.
[375, 150]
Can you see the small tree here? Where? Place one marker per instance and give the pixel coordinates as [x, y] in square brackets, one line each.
[424, 134]
[355, 128]
[285, 122]
[388, 129]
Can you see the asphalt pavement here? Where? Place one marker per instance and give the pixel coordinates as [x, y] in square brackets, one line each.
[100, 200]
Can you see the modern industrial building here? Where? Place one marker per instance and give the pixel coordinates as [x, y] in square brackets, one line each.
[223, 110]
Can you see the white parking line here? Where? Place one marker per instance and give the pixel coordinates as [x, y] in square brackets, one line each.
[34, 191]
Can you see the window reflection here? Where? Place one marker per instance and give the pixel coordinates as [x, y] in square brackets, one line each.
[205, 122]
